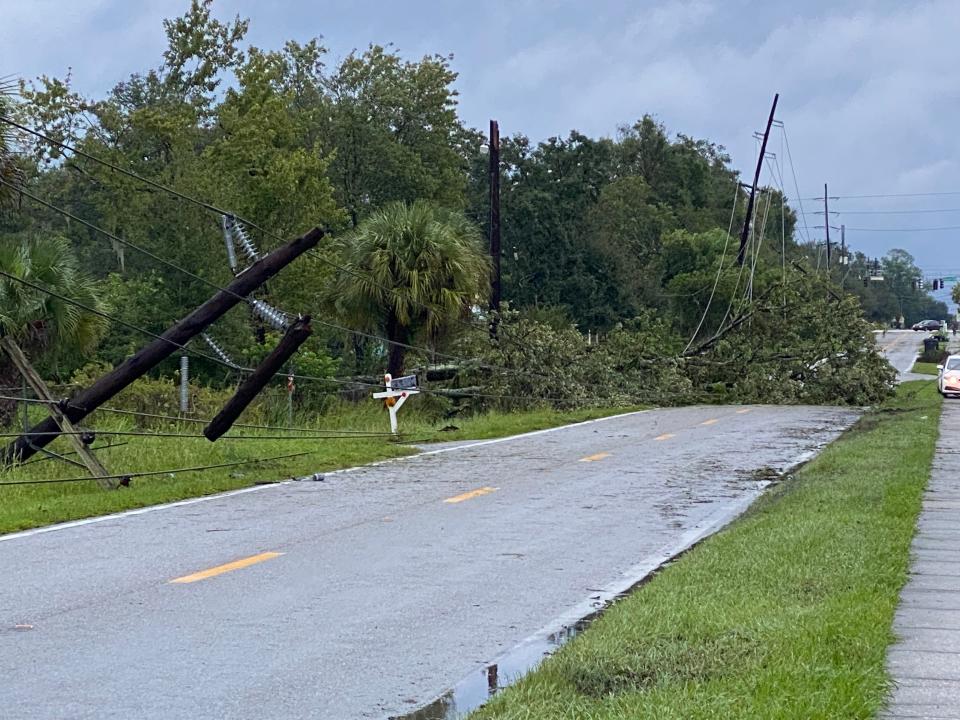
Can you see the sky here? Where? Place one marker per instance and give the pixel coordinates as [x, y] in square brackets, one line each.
[869, 90]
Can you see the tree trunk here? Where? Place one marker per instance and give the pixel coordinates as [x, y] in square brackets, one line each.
[10, 383]
[396, 354]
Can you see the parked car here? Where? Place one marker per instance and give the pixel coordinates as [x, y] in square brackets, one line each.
[948, 379]
[927, 325]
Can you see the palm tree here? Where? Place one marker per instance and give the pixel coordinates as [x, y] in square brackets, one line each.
[44, 325]
[9, 172]
[413, 270]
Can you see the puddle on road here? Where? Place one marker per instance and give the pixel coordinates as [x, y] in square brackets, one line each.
[478, 687]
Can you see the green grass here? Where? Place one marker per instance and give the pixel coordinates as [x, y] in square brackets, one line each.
[786, 614]
[26, 506]
[925, 368]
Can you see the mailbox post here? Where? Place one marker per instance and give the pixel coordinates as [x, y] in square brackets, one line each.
[396, 394]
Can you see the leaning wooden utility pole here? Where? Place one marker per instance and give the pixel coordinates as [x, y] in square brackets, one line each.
[494, 224]
[295, 336]
[826, 223]
[148, 357]
[23, 366]
[745, 233]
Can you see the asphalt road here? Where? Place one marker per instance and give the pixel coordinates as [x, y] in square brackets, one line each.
[371, 592]
[901, 348]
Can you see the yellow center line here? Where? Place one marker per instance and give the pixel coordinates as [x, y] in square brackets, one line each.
[220, 569]
[711, 421]
[665, 436]
[470, 495]
[744, 411]
[594, 458]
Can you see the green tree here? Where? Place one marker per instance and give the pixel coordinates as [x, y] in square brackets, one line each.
[10, 172]
[391, 122]
[413, 271]
[46, 327]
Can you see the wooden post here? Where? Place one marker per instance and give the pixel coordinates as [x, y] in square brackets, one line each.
[33, 379]
[148, 357]
[494, 222]
[826, 223]
[249, 388]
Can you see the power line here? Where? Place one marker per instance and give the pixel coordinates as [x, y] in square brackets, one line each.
[182, 436]
[888, 212]
[224, 213]
[796, 186]
[890, 195]
[113, 237]
[359, 333]
[176, 418]
[207, 206]
[217, 360]
[723, 254]
[151, 473]
[905, 230]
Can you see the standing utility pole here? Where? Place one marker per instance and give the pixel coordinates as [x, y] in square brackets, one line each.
[494, 222]
[843, 254]
[826, 224]
[756, 179]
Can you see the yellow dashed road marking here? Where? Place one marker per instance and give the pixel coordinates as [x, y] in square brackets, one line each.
[594, 458]
[665, 436]
[711, 421]
[472, 494]
[220, 569]
[744, 411]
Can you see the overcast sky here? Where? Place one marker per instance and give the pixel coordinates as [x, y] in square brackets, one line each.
[869, 90]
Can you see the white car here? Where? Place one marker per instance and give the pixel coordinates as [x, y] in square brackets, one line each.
[948, 380]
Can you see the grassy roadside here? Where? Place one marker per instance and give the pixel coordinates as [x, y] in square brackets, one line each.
[925, 368]
[26, 506]
[786, 614]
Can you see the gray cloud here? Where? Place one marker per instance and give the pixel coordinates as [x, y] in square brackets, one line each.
[868, 89]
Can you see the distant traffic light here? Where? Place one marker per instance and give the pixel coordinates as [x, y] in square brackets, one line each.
[866, 282]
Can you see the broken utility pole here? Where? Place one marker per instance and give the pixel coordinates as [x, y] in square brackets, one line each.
[744, 234]
[494, 224]
[295, 336]
[148, 357]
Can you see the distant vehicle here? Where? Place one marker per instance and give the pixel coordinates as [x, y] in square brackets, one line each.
[927, 325]
[948, 380]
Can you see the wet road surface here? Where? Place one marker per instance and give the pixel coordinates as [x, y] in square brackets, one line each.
[901, 348]
[371, 592]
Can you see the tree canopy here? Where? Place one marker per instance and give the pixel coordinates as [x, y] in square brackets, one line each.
[596, 232]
